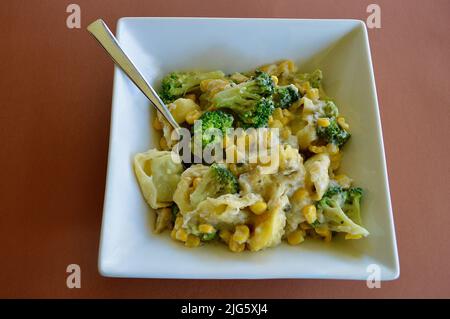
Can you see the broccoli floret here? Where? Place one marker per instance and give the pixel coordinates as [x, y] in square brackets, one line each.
[330, 109]
[213, 120]
[340, 208]
[286, 95]
[250, 100]
[177, 84]
[314, 78]
[217, 181]
[333, 133]
[352, 204]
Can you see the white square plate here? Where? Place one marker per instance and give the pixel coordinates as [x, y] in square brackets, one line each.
[340, 48]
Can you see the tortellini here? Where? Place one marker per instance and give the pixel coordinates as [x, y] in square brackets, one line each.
[158, 174]
[317, 178]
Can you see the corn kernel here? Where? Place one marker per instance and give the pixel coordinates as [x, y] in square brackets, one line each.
[312, 94]
[324, 232]
[178, 221]
[300, 194]
[285, 132]
[342, 123]
[310, 213]
[181, 235]
[343, 180]
[157, 125]
[192, 241]
[285, 120]
[192, 116]
[163, 143]
[196, 181]
[206, 228]
[258, 208]
[287, 113]
[323, 122]
[235, 246]
[241, 234]
[277, 113]
[296, 237]
[225, 235]
[317, 149]
[274, 79]
[351, 236]
[276, 124]
[270, 119]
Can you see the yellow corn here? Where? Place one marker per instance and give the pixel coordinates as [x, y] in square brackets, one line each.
[351, 236]
[285, 120]
[300, 194]
[192, 241]
[323, 122]
[225, 235]
[241, 234]
[192, 116]
[342, 123]
[157, 125]
[274, 79]
[285, 132]
[235, 246]
[258, 208]
[312, 94]
[276, 124]
[206, 228]
[317, 149]
[310, 213]
[296, 237]
[178, 221]
[181, 235]
[324, 232]
[343, 180]
[270, 119]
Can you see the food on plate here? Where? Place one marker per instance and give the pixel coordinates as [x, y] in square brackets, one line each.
[247, 203]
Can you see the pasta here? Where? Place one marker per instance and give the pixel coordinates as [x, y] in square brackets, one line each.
[294, 192]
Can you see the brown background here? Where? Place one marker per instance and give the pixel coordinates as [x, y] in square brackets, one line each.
[55, 97]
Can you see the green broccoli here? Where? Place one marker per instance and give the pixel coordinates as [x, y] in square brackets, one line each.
[314, 78]
[330, 109]
[250, 101]
[341, 210]
[285, 95]
[217, 181]
[352, 204]
[213, 120]
[333, 133]
[177, 84]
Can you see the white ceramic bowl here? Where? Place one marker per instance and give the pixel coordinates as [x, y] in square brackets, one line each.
[340, 48]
